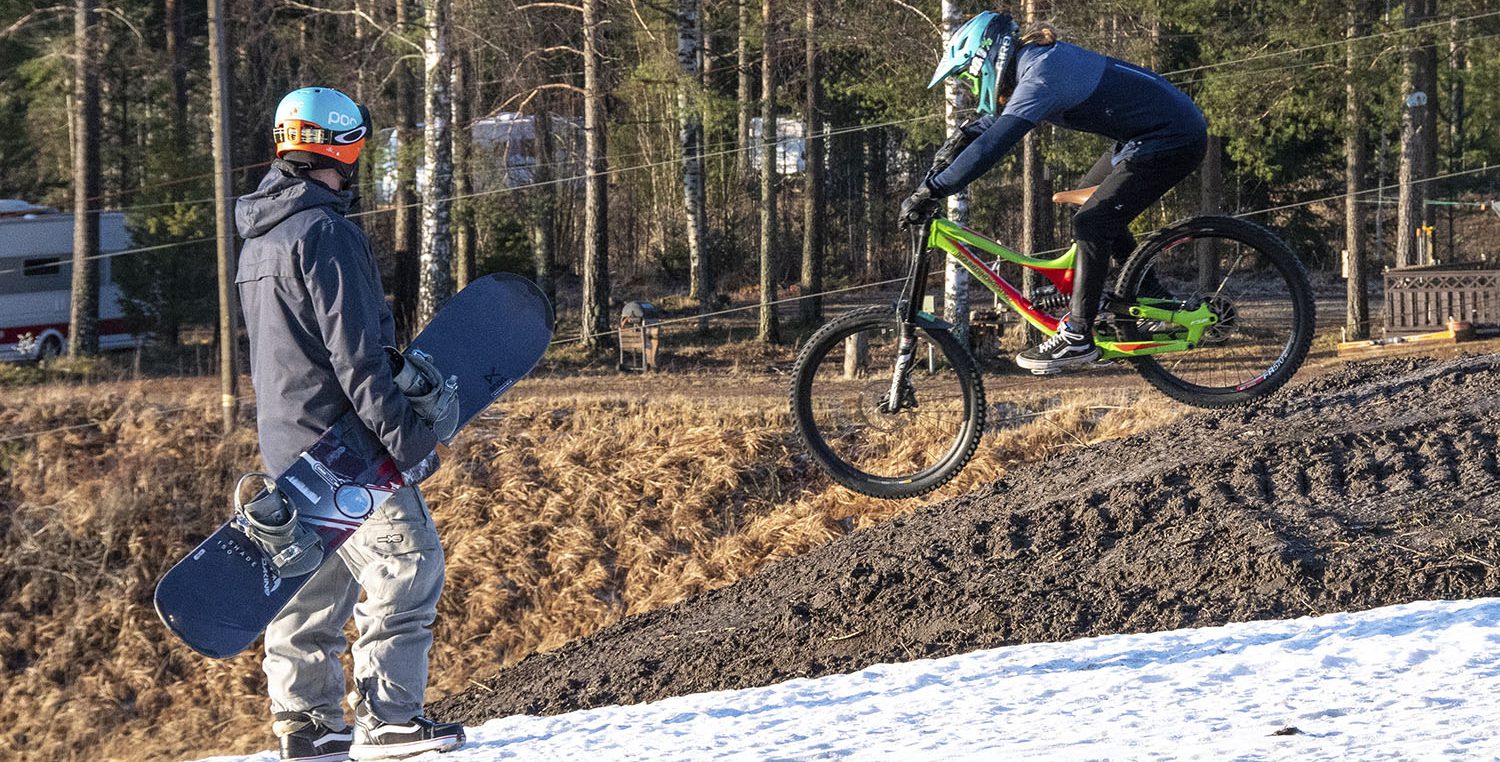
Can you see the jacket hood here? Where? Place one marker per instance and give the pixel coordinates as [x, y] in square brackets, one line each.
[282, 193]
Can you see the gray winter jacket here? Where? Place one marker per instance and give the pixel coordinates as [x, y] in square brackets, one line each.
[316, 314]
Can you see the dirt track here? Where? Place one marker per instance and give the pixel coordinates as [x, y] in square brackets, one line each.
[1370, 486]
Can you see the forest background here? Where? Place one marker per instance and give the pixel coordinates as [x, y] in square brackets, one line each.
[611, 150]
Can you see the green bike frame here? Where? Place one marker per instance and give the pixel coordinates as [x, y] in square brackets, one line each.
[963, 245]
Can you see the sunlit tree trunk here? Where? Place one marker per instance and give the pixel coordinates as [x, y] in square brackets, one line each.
[769, 330]
[690, 134]
[544, 204]
[955, 278]
[83, 312]
[229, 371]
[437, 199]
[1210, 201]
[463, 218]
[595, 320]
[1415, 134]
[742, 93]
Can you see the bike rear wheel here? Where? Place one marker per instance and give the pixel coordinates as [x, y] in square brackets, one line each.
[838, 402]
[1257, 287]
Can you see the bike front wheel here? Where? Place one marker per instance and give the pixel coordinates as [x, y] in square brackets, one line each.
[841, 406]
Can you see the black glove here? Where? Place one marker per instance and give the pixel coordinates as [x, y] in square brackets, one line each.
[918, 207]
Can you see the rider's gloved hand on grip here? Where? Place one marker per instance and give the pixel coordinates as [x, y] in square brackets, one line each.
[434, 398]
[917, 207]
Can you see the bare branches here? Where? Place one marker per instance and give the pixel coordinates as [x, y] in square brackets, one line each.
[563, 6]
[385, 30]
[35, 15]
[919, 12]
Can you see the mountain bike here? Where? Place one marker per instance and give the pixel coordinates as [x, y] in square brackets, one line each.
[1212, 311]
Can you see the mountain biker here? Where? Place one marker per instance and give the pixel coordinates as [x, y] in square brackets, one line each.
[319, 328]
[1159, 133]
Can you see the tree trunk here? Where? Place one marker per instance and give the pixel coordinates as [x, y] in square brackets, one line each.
[229, 371]
[1427, 82]
[544, 204]
[1458, 59]
[742, 126]
[690, 134]
[463, 218]
[1210, 201]
[1415, 136]
[814, 199]
[769, 331]
[1356, 159]
[404, 240]
[875, 207]
[1036, 201]
[955, 278]
[83, 309]
[595, 321]
[437, 200]
[173, 27]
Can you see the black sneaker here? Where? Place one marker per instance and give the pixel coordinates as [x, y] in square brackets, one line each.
[376, 739]
[1065, 349]
[303, 739]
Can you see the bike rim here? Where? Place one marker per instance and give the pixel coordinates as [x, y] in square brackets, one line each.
[846, 389]
[1254, 296]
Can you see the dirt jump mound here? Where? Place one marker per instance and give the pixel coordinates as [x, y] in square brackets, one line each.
[1372, 486]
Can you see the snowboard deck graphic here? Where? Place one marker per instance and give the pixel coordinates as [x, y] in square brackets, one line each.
[220, 597]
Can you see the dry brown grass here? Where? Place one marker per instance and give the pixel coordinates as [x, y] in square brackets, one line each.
[561, 515]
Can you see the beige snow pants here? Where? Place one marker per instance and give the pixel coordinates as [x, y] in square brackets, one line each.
[397, 560]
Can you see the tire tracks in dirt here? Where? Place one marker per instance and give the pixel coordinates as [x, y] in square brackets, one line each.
[1366, 487]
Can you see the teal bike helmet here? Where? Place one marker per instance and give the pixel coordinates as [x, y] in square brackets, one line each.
[983, 53]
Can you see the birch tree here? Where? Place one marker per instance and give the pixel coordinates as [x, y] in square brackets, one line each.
[437, 200]
[955, 278]
[463, 217]
[690, 129]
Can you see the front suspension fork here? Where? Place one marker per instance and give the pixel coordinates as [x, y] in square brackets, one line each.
[906, 311]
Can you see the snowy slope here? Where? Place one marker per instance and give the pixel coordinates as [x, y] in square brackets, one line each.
[1418, 681]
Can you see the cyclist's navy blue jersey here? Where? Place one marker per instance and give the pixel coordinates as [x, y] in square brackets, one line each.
[1079, 89]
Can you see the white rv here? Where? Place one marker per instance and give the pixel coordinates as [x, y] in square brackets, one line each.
[36, 252]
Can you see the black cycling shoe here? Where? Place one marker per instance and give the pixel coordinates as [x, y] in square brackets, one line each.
[303, 739]
[1066, 349]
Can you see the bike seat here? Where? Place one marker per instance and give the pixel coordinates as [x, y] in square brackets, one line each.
[1077, 197]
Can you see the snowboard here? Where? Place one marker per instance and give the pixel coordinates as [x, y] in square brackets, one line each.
[223, 594]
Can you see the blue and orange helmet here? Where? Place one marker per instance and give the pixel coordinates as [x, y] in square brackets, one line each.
[321, 123]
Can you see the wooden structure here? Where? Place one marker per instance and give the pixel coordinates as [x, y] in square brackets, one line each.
[640, 336]
[1424, 299]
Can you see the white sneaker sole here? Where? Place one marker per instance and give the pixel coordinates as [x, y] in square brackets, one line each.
[371, 752]
[1043, 367]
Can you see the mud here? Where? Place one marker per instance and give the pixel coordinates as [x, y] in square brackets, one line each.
[1371, 486]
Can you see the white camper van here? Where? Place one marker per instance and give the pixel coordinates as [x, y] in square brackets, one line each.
[36, 252]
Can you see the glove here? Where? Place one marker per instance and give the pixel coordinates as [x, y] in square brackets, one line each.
[918, 207]
[434, 399]
[425, 468]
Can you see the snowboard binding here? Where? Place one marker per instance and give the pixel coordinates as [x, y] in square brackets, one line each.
[271, 523]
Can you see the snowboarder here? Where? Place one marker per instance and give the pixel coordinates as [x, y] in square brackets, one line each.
[319, 331]
[1160, 139]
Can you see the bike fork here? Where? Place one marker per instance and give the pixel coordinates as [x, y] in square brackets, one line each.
[906, 311]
